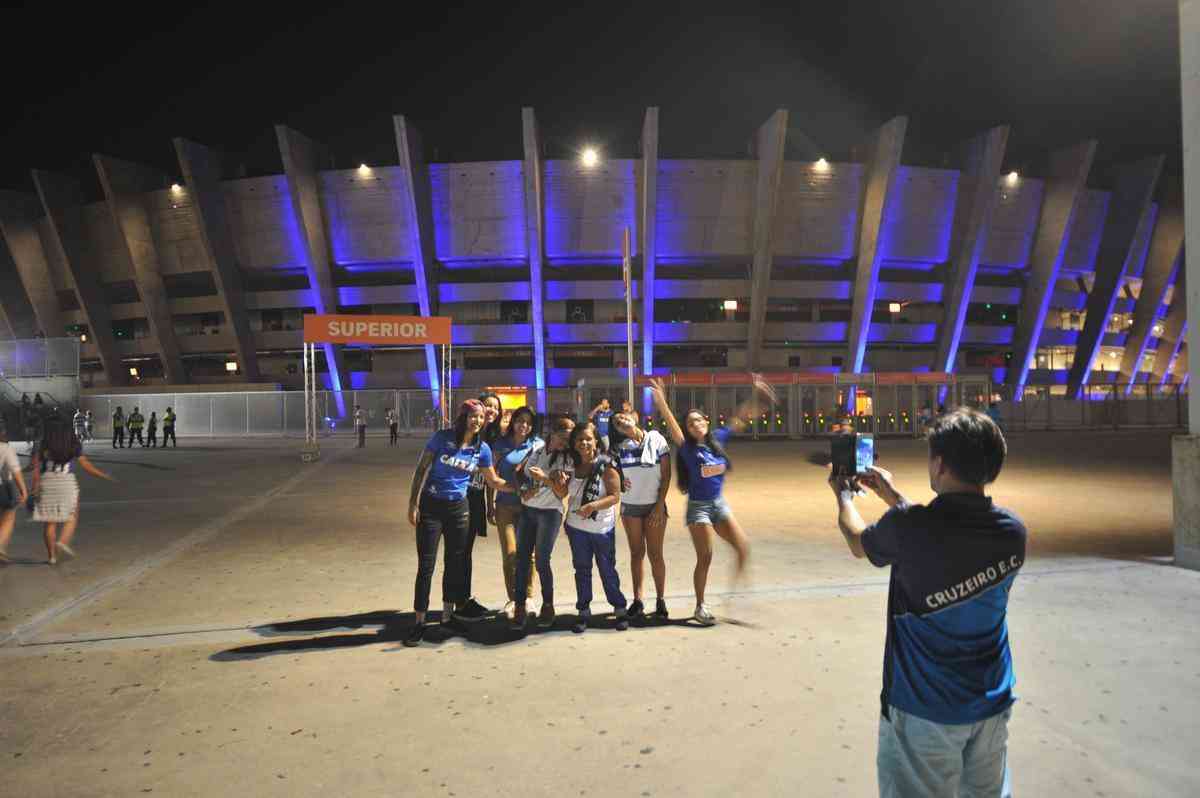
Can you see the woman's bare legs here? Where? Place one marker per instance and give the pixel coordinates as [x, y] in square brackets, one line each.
[68, 531]
[731, 532]
[48, 537]
[655, 535]
[702, 539]
[8, 519]
[637, 553]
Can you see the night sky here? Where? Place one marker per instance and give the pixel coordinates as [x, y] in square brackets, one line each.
[124, 83]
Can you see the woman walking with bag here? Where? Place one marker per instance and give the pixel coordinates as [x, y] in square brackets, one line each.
[701, 463]
[438, 508]
[55, 487]
[12, 490]
[504, 509]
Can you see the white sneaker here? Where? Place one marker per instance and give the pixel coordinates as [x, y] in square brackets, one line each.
[703, 616]
[510, 609]
[65, 549]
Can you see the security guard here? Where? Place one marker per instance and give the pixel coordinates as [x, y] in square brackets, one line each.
[118, 424]
[169, 428]
[136, 422]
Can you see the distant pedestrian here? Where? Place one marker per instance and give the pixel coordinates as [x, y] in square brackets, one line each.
[152, 431]
[80, 422]
[135, 423]
[118, 428]
[169, 429]
[393, 422]
[360, 425]
[12, 490]
[89, 426]
[55, 488]
[601, 416]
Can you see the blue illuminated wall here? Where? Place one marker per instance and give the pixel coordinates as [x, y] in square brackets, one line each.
[587, 210]
[478, 213]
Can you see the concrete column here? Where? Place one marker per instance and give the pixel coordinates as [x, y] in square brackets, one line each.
[649, 231]
[420, 211]
[769, 144]
[1162, 266]
[1175, 327]
[1065, 185]
[19, 214]
[1128, 209]
[125, 186]
[535, 237]
[201, 169]
[981, 159]
[62, 200]
[302, 159]
[886, 147]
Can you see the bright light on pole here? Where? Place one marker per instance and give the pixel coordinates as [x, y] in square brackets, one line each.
[589, 157]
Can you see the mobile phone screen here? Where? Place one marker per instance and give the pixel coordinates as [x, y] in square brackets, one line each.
[864, 455]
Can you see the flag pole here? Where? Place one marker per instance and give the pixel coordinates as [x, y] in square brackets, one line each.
[625, 269]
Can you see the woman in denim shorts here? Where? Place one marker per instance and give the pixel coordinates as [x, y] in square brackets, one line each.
[701, 463]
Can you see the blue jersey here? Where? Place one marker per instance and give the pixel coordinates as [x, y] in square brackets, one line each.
[602, 419]
[453, 466]
[953, 562]
[706, 469]
[508, 457]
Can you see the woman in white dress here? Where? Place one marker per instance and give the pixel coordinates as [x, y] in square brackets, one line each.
[12, 490]
[55, 487]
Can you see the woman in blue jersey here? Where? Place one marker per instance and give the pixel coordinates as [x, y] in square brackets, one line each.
[438, 507]
[504, 509]
[645, 460]
[547, 472]
[593, 495]
[701, 463]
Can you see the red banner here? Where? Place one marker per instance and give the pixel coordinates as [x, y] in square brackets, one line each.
[694, 378]
[392, 330]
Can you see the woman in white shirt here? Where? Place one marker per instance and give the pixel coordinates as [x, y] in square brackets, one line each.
[593, 495]
[645, 461]
[12, 490]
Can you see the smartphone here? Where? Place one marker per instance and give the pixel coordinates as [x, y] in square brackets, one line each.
[852, 454]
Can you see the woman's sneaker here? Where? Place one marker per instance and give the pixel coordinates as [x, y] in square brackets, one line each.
[637, 610]
[581, 622]
[703, 616]
[622, 621]
[414, 635]
[519, 617]
[660, 610]
[472, 611]
[509, 609]
[546, 616]
[65, 549]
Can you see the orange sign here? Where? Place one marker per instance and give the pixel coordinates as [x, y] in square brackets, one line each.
[393, 330]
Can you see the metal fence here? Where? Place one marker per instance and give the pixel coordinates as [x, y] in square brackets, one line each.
[39, 357]
[279, 413]
[1146, 407]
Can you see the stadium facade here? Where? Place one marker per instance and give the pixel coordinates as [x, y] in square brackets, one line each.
[1061, 282]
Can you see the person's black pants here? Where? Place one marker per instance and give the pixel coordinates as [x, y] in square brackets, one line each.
[136, 434]
[118, 437]
[152, 438]
[477, 502]
[395, 430]
[451, 520]
[169, 435]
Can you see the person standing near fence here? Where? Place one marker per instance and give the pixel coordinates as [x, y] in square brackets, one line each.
[601, 416]
[136, 422]
[360, 426]
[169, 429]
[80, 424]
[393, 423]
[89, 426]
[118, 428]
[152, 431]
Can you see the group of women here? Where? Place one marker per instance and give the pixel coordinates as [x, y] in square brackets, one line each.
[477, 474]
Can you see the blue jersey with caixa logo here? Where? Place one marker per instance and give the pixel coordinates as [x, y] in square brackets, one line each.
[603, 419]
[706, 469]
[453, 466]
[947, 657]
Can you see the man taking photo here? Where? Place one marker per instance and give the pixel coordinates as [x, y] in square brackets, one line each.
[947, 668]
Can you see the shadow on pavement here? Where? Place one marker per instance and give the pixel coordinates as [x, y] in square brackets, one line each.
[393, 626]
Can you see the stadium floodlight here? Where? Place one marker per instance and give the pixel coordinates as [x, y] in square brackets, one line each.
[589, 157]
[1013, 177]
[894, 307]
[822, 165]
[231, 366]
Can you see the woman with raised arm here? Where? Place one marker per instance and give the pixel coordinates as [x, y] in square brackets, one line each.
[438, 507]
[645, 460]
[701, 463]
[510, 454]
[547, 472]
[594, 493]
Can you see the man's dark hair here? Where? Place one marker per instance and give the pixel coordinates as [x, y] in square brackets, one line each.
[970, 445]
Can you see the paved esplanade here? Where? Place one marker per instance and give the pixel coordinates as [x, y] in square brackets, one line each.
[158, 661]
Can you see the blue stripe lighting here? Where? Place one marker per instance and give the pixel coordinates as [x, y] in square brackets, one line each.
[586, 211]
